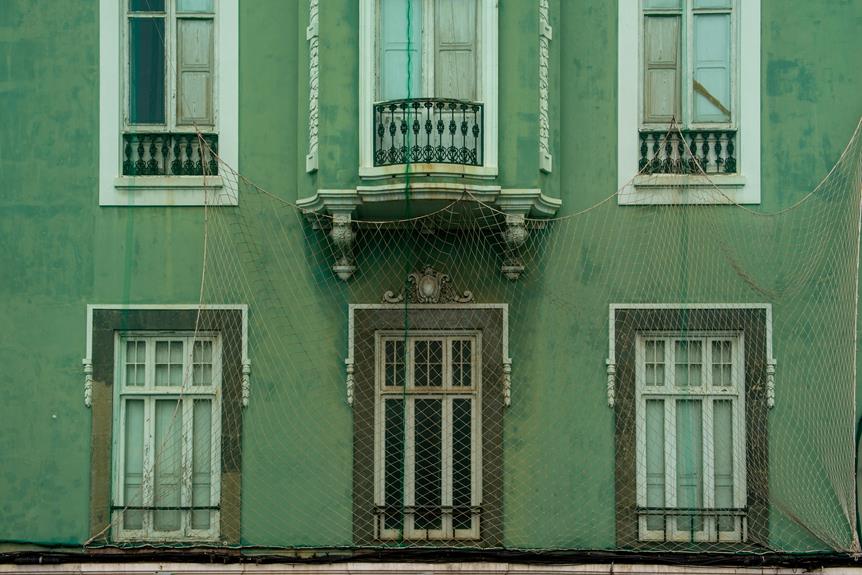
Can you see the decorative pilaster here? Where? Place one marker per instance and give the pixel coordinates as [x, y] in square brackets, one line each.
[770, 383]
[313, 37]
[246, 383]
[612, 382]
[507, 381]
[342, 236]
[545, 33]
[514, 236]
[348, 364]
[88, 381]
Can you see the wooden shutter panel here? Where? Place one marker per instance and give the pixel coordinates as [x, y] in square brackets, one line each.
[455, 49]
[661, 69]
[711, 80]
[195, 72]
[400, 35]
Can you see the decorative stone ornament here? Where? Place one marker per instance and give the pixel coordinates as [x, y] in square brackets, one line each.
[342, 236]
[428, 286]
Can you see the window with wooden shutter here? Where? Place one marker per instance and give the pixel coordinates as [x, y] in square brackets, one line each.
[195, 71]
[455, 49]
[662, 68]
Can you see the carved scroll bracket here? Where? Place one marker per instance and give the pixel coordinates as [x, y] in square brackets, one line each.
[348, 363]
[342, 236]
[246, 383]
[770, 383]
[514, 235]
[612, 382]
[507, 381]
[88, 381]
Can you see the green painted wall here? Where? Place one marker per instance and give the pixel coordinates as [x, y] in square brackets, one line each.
[62, 251]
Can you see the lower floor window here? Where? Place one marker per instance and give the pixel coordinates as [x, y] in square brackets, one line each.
[691, 467]
[167, 449]
[428, 435]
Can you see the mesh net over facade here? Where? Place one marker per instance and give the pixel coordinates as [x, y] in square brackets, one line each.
[659, 378]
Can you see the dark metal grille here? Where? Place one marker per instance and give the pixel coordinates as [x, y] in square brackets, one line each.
[428, 130]
[163, 154]
[688, 152]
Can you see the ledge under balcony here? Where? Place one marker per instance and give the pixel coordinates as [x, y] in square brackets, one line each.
[428, 136]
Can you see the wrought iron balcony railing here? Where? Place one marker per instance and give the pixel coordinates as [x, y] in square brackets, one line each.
[688, 152]
[160, 154]
[428, 130]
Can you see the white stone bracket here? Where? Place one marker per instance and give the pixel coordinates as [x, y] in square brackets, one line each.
[770, 383]
[545, 35]
[312, 34]
[246, 382]
[507, 382]
[88, 381]
[612, 382]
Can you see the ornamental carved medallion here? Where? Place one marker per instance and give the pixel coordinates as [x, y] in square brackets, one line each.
[428, 286]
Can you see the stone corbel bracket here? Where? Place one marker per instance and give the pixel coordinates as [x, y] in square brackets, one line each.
[507, 382]
[246, 383]
[336, 211]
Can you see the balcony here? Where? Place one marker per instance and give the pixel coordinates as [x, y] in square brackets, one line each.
[164, 154]
[709, 152]
[428, 131]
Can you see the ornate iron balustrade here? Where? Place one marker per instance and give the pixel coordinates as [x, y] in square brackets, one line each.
[159, 154]
[675, 152]
[428, 130]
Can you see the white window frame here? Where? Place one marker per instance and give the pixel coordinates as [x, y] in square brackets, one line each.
[486, 88]
[706, 393]
[149, 393]
[744, 186]
[118, 190]
[446, 393]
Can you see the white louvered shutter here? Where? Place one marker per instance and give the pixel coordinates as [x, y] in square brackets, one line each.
[661, 69]
[195, 72]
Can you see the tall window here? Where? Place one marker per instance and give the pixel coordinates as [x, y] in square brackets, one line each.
[167, 447]
[428, 435]
[428, 48]
[691, 437]
[170, 48]
[689, 65]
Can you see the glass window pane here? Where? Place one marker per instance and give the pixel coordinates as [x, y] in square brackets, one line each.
[712, 4]
[689, 463]
[399, 44]
[133, 463]
[428, 463]
[394, 363]
[147, 70]
[202, 363]
[655, 467]
[660, 4]
[168, 464]
[393, 462]
[462, 427]
[146, 5]
[194, 5]
[722, 418]
[712, 69]
[202, 463]
[654, 351]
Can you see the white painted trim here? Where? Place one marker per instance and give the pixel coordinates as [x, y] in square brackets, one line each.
[143, 191]
[488, 68]
[748, 116]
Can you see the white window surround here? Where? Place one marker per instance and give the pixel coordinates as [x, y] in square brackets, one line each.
[448, 392]
[743, 187]
[487, 90]
[706, 395]
[118, 190]
[187, 395]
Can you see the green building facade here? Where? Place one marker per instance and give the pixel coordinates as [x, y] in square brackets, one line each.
[638, 179]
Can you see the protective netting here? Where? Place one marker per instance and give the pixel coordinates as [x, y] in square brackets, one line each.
[405, 408]
[672, 377]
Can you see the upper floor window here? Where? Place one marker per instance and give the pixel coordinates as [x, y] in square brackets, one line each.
[428, 76]
[690, 102]
[169, 111]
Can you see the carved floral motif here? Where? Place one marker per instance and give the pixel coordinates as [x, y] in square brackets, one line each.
[428, 286]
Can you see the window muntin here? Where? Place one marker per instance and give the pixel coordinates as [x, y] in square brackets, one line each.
[691, 437]
[167, 446]
[428, 49]
[428, 429]
[689, 70]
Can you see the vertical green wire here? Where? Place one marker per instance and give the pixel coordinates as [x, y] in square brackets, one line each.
[408, 265]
